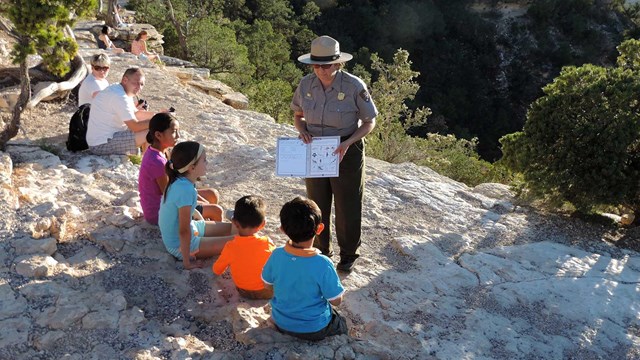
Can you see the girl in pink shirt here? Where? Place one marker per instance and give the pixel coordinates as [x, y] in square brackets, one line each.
[152, 180]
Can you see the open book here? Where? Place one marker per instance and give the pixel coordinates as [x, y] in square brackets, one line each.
[314, 160]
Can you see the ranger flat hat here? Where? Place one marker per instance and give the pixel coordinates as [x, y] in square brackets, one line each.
[325, 50]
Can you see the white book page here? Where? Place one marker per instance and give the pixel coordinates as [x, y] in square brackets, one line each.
[322, 160]
[291, 157]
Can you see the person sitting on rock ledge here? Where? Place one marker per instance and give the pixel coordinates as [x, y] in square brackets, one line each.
[247, 253]
[304, 282]
[116, 125]
[184, 238]
[105, 43]
[152, 180]
[139, 47]
[96, 81]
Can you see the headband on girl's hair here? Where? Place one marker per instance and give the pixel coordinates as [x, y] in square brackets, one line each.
[186, 167]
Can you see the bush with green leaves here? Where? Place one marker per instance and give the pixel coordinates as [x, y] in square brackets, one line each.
[581, 140]
[389, 141]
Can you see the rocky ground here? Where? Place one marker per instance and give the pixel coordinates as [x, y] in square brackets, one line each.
[448, 271]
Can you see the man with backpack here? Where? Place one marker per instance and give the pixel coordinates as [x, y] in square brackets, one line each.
[116, 125]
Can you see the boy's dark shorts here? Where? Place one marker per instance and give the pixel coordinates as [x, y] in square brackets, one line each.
[337, 326]
[255, 294]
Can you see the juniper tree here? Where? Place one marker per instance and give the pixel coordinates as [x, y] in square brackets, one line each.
[39, 28]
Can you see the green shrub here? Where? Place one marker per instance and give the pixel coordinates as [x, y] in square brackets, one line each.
[581, 140]
[389, 141]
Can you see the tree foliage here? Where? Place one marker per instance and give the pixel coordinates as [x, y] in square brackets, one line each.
[39, 25]
[581, 140]
[394, 86]
[39, 28]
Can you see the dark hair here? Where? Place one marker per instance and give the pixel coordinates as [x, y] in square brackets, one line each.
[159, 122]
[249, 211]
[181, 155]
[143, 32]
[299, 219]
[105, 30]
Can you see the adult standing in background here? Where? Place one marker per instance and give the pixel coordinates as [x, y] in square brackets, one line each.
[332, 102]
[96, 81]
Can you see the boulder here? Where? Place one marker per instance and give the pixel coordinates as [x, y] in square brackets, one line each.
[26, 245]
[35, 266]
[15, 331]
[61, 317]
[9, 98]
[223, 92]
[48, 340]
[100, 320]
[236, 100]
[11, 303]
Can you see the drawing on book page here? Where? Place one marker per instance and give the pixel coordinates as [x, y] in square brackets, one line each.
[323, 160]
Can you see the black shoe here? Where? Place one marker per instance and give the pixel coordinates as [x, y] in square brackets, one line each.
[328, 254]
[347, 263]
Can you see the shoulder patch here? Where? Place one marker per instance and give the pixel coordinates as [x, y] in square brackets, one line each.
[364, 94]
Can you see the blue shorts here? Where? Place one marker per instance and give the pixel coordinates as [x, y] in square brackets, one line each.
[197, 232]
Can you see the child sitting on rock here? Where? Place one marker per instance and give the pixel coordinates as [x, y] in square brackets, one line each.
[164, 132]
[184, 238]
[247, 253]
[304, 281]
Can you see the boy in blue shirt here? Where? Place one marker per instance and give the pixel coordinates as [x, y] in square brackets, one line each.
[305, 283]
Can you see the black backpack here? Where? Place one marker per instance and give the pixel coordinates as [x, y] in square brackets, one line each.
[77, 140]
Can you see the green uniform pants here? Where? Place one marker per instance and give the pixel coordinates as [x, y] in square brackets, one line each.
[347, 191]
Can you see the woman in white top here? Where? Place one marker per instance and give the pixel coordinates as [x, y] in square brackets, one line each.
[96, 81]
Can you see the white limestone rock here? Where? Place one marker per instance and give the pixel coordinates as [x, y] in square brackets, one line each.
[250, 324]
[11, 302]
[123, 216]
[100, 320]
[110, 237]
[47, 246]
[15, 331]
[103, 352]
[129, 320]
[236, 100]
[37, 158]
[38, 289]
[62, 316]
[9, 98]
[35, 266]
[48, 340]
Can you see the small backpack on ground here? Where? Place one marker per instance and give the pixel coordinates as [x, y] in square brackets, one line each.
[77, 140]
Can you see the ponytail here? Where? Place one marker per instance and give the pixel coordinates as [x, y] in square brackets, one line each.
[183, 155]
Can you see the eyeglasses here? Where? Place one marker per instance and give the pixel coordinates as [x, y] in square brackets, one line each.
[100, 68]
[324, 66]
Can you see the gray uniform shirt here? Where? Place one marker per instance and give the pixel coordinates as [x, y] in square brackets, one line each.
[337, 109]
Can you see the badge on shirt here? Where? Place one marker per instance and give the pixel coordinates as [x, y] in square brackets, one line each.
[364, 94]
[340, 96]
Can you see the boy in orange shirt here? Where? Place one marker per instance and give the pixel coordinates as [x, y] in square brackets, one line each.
[247, 253]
